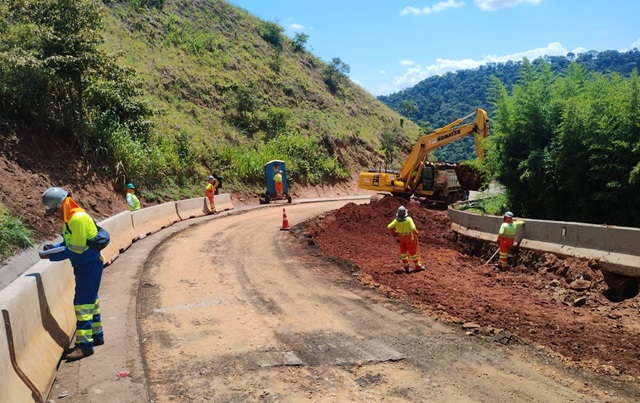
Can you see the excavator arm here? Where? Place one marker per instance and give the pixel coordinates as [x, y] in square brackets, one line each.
[405, 182]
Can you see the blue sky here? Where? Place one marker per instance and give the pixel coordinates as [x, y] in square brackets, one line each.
[390, 45]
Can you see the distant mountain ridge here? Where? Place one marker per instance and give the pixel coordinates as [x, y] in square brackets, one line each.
[442, 99]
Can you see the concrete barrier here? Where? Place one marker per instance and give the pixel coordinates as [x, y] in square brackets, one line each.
[192, 208]
[615, 247]
[120, 228]
[37, 308]
[223, 202]
[152, 219]
[13, 388]
[39, 320]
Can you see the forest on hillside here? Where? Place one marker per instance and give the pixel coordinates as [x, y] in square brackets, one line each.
[439, 100]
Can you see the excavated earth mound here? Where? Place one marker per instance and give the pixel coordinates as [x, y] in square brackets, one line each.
[469, 180]
[555, 303]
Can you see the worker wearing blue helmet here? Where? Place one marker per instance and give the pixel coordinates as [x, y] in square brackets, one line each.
[133, 203]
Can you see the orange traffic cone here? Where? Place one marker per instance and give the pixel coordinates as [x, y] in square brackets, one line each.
[285, 222]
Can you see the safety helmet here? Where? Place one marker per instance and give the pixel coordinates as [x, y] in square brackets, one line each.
[508, 214]
[52, 198]
[211, 177]
[130, 186]
[402, 213]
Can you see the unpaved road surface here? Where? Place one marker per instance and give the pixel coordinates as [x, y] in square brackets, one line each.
[235, 310]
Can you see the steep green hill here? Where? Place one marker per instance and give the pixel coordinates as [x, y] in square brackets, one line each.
[167, 92]
[163, 93]
[225, 80]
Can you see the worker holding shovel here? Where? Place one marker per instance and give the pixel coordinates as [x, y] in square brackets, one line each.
[506, 237]
[405, 229]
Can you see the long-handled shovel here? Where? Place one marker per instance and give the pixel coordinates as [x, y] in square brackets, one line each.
[418, 252]
[492, 256]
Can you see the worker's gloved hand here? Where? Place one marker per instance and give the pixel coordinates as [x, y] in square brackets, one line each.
[47, 247]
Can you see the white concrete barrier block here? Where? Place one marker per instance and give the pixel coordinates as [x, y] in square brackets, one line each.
[12, 387]
[120, 228]
[192, 208]
[152, 219]
[223, 202]
[38, 339]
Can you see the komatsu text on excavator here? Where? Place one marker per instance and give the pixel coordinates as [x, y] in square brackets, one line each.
[425, 180]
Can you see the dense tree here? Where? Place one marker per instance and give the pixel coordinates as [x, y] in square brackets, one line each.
[299, 41]
[53, 74]
[273, 34]
[409, 108]
[567, 147]
[335, 75]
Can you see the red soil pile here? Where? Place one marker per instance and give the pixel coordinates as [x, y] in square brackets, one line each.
[533, 302]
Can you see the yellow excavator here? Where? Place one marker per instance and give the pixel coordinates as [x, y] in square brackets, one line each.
[425, 180]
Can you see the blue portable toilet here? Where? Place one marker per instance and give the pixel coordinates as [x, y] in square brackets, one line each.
[271, 168]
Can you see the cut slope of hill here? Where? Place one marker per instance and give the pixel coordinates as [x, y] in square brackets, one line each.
[29, 164]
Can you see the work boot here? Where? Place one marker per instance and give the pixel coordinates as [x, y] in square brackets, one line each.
[420, 268]
[406, 269]
[98, 342]
[78, 353]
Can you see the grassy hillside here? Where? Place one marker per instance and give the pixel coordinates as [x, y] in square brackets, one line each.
[228, 92]
[218, 84]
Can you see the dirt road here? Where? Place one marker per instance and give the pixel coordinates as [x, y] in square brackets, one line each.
[233, 310]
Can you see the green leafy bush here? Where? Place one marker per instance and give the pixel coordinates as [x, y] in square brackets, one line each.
[494, 205]
[14, 235]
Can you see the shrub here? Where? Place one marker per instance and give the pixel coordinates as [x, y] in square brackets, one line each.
[14, 235]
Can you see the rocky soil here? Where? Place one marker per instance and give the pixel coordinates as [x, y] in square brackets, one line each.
[558, 304]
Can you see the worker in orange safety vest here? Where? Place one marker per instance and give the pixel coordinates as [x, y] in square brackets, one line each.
[210, 190]
[405, 229]
[506, 237]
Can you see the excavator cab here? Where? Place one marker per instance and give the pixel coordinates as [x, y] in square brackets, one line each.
[428, 177]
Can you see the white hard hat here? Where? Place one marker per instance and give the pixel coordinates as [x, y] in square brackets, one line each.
[402, 213]
[52, 198]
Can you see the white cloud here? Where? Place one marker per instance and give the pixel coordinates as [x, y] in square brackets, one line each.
[636, 44]
[296, 27]
[436, 8]
[410, 10]
[406, 62]
[493, 5]
[415, 74]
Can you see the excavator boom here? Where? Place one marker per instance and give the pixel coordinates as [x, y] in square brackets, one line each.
[410, 180]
